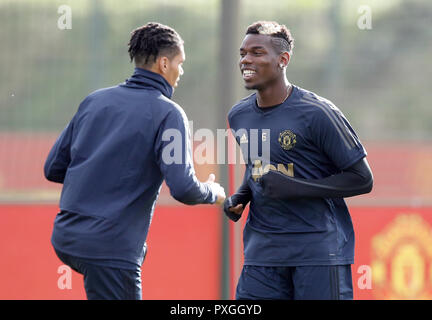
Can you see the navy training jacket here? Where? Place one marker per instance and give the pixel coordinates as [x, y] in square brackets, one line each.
[112, 159]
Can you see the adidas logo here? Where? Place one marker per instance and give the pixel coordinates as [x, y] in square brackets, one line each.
[244, 139]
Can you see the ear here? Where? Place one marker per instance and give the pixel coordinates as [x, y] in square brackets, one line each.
[284, 58]
[163, 64]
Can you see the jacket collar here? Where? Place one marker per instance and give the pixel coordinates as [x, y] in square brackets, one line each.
[143, 78]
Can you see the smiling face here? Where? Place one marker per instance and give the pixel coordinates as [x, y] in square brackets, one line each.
[259, 62]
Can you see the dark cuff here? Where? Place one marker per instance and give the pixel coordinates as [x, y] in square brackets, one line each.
[231, 215]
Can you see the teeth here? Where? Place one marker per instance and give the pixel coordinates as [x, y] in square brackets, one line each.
[248, 72]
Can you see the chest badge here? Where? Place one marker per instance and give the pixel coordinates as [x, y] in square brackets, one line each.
[287, 139]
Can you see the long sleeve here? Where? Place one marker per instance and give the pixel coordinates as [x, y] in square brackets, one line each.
[173, 154]
[243, 196]
[353, 181]
[59, 158]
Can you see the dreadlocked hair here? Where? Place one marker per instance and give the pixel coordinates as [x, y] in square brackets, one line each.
[152, 40]
[282, 39]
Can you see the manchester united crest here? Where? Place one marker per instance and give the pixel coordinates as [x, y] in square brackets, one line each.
[287, 139]
[401, 259]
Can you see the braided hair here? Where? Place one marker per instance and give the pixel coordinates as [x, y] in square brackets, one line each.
[282, 39]
[152, 40]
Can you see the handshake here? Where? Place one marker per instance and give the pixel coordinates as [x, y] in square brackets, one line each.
[234, 205]
[216, 188]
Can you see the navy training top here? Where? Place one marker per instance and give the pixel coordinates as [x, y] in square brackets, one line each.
[308, 137]
[112, 159]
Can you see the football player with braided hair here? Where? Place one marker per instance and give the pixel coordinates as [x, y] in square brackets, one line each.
[111, 159]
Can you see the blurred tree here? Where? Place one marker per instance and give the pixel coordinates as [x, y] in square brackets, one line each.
[379, 77]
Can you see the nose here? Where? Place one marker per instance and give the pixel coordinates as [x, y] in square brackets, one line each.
[245, 59]
[181, 70]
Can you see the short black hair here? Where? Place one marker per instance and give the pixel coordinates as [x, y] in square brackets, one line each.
[151, 41]
[282, 39]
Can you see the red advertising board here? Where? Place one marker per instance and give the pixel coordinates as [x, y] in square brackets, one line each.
[183, 260]
[393, 257]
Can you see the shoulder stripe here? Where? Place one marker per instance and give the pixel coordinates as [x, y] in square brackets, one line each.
[336, 120]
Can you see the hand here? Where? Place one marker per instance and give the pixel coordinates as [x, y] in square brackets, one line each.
[232, 211]
[217, 189]
[238, 209]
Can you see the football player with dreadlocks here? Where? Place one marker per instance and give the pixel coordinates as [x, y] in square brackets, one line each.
[111, 160]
